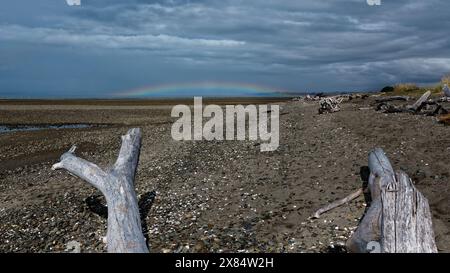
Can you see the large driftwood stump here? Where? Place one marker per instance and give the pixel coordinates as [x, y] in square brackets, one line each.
[117, 185]
[399, 218]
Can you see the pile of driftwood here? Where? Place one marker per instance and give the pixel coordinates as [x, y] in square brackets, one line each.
[315, 97]
[330, 105]
[398, 219]
[423, 106]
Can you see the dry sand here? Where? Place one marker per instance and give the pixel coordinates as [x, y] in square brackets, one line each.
[212, 196]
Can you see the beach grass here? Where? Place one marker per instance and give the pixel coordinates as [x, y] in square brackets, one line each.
[412, 89]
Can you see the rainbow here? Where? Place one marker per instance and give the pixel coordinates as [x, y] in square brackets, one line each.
[205, 89]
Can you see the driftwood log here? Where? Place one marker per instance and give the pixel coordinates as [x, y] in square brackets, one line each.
[124, 233]
[423, 106]
[420, 101]
[398, 219]
[393, 98]
[389, 108]
[415, 108]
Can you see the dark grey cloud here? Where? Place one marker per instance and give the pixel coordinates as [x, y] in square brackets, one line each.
[49, 48]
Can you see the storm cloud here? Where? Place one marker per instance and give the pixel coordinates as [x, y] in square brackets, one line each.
[50, 49]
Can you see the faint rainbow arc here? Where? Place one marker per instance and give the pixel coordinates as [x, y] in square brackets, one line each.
[168, 88]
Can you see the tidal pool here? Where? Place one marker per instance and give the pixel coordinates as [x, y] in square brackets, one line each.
[22, 127]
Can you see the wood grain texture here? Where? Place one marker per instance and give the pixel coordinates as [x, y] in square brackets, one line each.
[124, 233]
[399, 217]
[406, 225]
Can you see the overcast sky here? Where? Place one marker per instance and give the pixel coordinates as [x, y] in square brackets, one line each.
[105, 47]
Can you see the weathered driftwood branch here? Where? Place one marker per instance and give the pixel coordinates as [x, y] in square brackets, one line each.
[420, 101]
[338, 203]
[389, 108]
[117, 185]
[393, 98]
[399, 217]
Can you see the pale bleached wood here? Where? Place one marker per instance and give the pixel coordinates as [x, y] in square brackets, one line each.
[398, 218]
[406, 219]
[420, 101]
[124, 233]
[337, 203]
[379, 163]
[381, 172]
[329, 105]
[367, 230]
